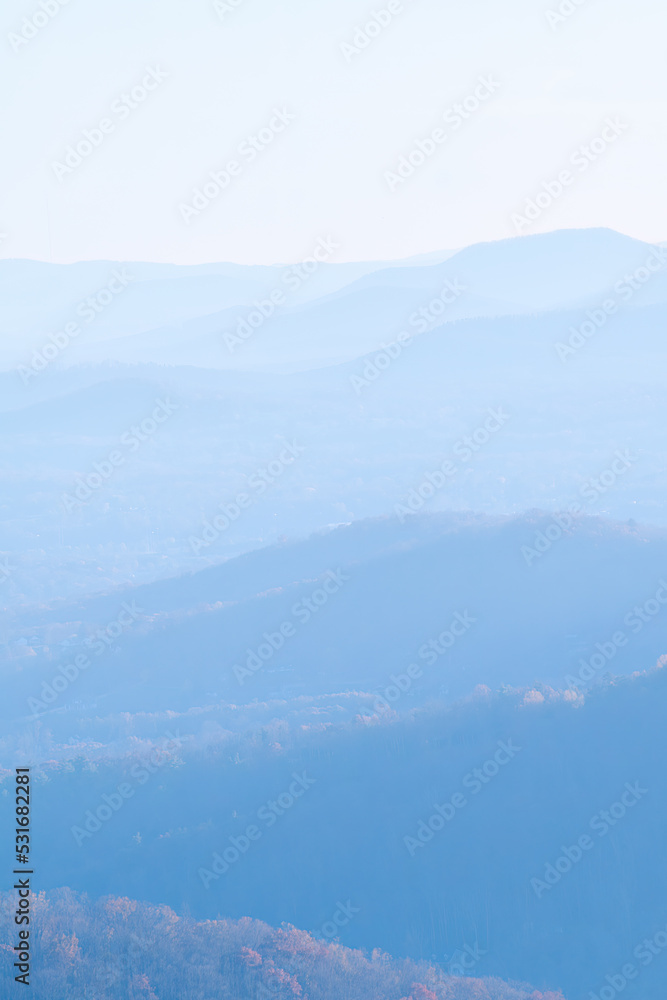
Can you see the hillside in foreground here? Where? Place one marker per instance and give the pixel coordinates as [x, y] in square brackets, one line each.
[119, 949]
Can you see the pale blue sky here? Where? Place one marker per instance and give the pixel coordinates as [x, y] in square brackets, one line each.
[353, 119]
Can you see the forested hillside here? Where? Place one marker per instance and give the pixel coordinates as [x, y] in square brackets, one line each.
[119, 949]
[443, 829]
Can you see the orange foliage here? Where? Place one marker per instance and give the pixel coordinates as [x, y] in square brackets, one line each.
[120, 906]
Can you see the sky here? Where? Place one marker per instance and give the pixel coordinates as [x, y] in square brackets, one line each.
[305, 111]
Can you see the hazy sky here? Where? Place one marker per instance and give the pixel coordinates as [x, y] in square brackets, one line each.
[347, 116]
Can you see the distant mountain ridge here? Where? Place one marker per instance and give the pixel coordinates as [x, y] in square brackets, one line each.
[339, 312]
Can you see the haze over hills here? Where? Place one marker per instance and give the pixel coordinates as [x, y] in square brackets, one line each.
[333, 535]
[415, 515]
[370, 619]
[371, 429]
[324, 313]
